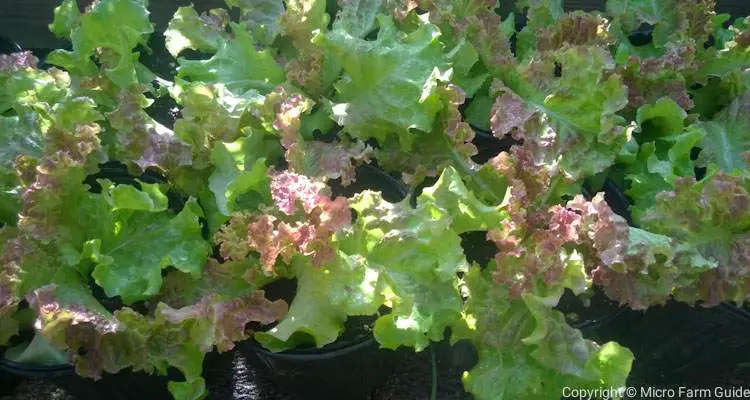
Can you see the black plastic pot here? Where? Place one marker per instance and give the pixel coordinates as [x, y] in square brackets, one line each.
[125, 385]
[349, 369]
[350, 372]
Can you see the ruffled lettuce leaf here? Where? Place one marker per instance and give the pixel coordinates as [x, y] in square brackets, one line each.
[239, 180]
[710, 220]
[730, 53]
[188, 30]
[303, 222]
[527, 350]
[672, 21]
[98, 342]
[374, 264]
[325, 297]
[129, 260]
[142, 140]
[570, 121]
[389, 84]
[726, 142]
[237, 64]
[210, 114]
[110, 30]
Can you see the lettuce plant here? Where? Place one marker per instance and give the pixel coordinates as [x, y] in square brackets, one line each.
[275, 109]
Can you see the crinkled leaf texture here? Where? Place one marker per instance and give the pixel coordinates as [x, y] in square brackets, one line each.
[237, 64]
[188, 30]
[389, 83]
[526, 349]
[98, 342]
[389, 257]
[111, 29]
[570, 120]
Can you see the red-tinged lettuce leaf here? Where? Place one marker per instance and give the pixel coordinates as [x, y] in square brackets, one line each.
[569, 120]
[295, 196]
[389, 83]
[109, 30]
[549, 28]
[98, 342]
[526, 349]
[188, 30]
[229, 279]
[395, 255]
[536, 243]
[328, 160]
[10, 274]
[215, 321]
[17, 61]
[647, 275]
[576, 28]
[21, 140]
[56, 183]
[651, 78]
[281, 113]
[710, 220]
[308, 63]
[141, 139]
[633, 266]
[237, 64]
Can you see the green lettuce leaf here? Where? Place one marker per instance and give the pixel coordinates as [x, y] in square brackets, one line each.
[129, 259]
[112, 29]
[237, 64]
[261, 17]
[726, 142]
[527, 351]
[188, 30]
[389, 84]
[240, 179]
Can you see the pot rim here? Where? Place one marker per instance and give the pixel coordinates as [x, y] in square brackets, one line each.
[342, 349]
[35, 370]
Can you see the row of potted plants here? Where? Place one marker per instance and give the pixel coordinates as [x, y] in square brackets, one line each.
[318, 184]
